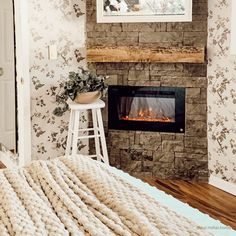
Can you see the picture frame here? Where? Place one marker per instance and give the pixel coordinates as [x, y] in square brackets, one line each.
[128, 11]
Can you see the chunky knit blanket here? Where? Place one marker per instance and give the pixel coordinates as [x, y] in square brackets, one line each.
[79, 196]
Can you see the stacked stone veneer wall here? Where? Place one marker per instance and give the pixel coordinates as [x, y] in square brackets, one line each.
[162, 155]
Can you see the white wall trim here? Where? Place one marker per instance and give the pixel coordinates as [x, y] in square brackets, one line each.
[6, 160]
[222, 184]
[23, 81]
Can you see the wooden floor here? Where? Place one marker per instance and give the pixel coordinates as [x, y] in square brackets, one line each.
[208, 199]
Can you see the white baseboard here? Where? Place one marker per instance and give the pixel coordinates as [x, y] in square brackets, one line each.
[223, 185]
[6, 160]
[7, 157]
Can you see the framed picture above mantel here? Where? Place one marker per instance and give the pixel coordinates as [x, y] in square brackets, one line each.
[118, 11]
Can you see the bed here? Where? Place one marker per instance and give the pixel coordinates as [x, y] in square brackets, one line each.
[80, 196]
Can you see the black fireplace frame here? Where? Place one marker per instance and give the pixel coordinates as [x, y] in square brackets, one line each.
[117, 91]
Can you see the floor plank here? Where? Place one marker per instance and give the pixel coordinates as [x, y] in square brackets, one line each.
[208, 199]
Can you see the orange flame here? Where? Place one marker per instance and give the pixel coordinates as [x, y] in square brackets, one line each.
[149, 116]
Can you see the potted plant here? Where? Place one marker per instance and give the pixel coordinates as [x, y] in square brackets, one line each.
[82, 87]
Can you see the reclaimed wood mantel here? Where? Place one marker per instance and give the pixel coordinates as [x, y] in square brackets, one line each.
[183, 54]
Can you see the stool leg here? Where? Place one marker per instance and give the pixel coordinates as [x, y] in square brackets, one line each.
[95, 126]
[103, 140]
[75, 133]
[70, 133]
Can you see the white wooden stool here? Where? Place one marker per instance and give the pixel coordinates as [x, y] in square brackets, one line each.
[99, 135]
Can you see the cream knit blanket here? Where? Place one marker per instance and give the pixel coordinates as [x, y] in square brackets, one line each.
[79, 196]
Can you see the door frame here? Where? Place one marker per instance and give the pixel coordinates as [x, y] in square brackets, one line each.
[22, 69]
[22, 81]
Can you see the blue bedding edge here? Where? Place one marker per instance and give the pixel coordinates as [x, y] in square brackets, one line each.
[211, 225]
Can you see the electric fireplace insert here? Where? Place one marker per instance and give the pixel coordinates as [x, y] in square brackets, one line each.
[160, 109]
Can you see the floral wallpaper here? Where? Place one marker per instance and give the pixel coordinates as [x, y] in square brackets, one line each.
[221, 93]
[59, 22]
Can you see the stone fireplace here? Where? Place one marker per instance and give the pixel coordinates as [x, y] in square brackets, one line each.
[169, 154]
[157, 109]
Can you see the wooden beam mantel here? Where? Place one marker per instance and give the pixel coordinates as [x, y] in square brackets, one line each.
[146, 54]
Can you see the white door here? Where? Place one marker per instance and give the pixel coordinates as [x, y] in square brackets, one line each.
[7, 75]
